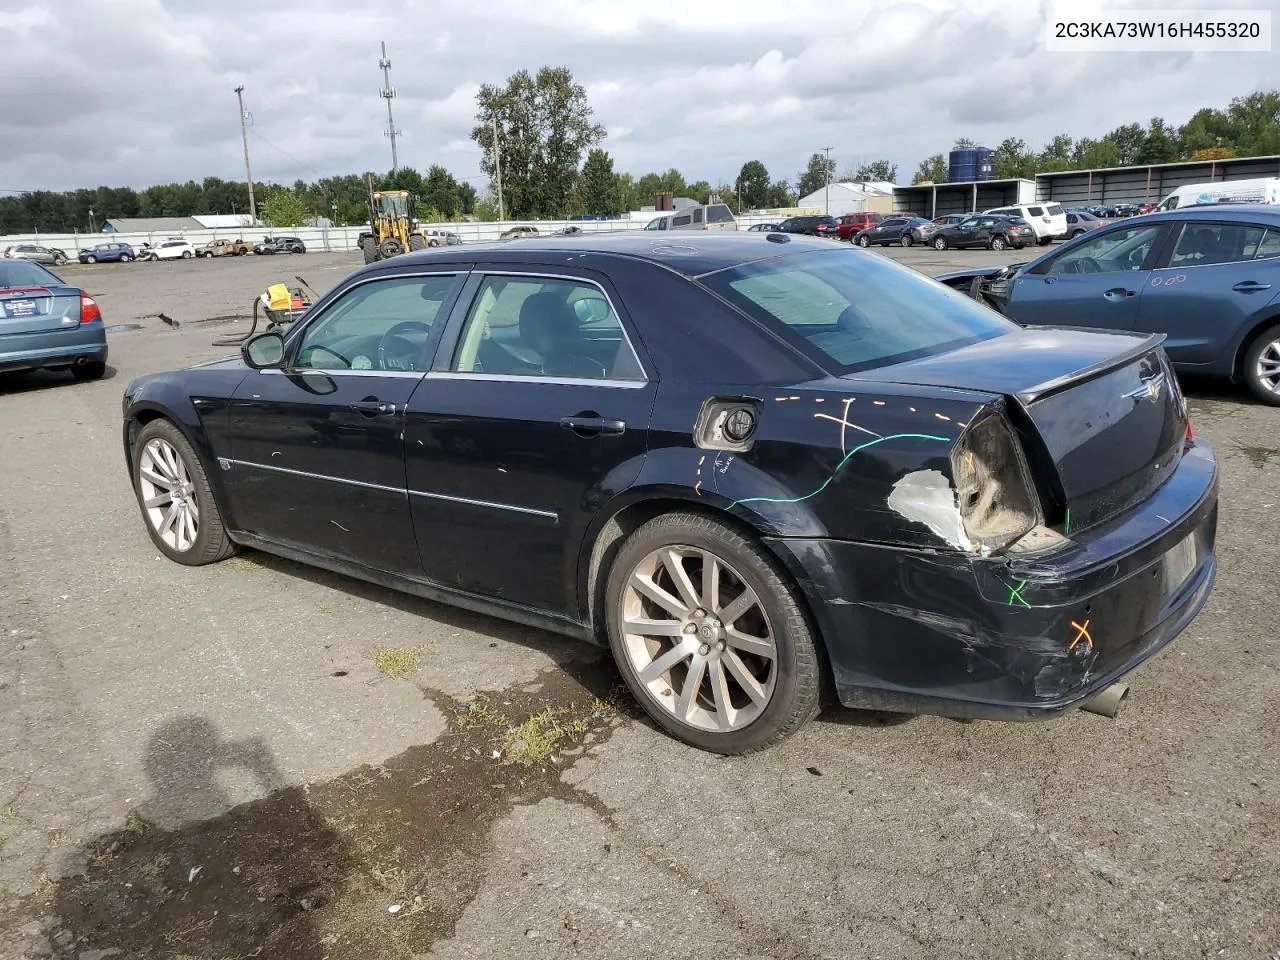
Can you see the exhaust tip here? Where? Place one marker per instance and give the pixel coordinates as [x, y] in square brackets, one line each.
[1106, 702]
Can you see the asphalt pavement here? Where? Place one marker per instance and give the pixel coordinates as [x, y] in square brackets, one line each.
[257, 756]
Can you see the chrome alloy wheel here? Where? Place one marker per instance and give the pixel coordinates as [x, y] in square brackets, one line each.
[698, 638]
[1267, 370]
[168, 495]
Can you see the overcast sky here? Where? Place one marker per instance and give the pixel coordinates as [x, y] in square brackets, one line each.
[140, 91]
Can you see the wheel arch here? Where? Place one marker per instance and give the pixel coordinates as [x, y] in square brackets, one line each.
[146, 411]
[1269, 318]
[626, 514]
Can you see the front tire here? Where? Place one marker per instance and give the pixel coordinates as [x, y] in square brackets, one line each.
[1076, 233]
[1262, 366]
[864, 242]
[125, 258]
[369, 249]
[177, 503]
[906, 240]
[710, 636]
[187, 254]
[939, 243]
[90, 259]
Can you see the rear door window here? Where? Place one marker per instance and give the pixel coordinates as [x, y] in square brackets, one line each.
[1270, 246]
[1205, 244]
[1035, 211]
[697, 215]
[850, 313]
[681, 221]
[1054, 209]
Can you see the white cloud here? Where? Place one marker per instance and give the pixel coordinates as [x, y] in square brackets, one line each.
[139, 91]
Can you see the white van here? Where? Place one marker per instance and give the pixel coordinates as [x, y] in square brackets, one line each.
[1260, 190]
[1048, 220]
[714, 216]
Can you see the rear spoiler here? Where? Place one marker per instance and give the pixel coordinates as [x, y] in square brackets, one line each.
[8, 290]
[1135, 350]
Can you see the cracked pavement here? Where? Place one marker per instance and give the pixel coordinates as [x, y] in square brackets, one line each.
[155, 719]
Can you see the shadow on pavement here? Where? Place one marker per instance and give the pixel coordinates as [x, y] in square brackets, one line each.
[14, 383]
[378, 862]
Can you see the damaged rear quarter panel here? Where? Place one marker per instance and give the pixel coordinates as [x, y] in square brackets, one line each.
[824, 460]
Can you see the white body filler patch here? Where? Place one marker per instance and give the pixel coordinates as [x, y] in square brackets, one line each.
[926, 496]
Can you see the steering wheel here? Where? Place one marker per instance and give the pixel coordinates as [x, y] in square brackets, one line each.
[1084, 265]
[311, 358]
[405, 326]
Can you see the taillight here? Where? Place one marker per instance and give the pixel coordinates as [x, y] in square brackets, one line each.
[89, 311]
[994, 491]
[1191, 434]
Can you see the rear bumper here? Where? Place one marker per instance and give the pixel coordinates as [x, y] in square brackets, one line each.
[54, 348]
[1013, 639]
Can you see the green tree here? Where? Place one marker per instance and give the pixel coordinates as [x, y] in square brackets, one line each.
[964, 143]
[753, 184]
[1128, 141]
[1056, 155]
[817, 174]
[931, 170]
[440, 192]
[467, 197]
[544, 125]
[1012, 159]
[699, 190]
[283, 208]
[486, 209]
[781, 195]
[1160, 144]
[878, 170]
[404, 178]
[1090, 154]
[598, 185]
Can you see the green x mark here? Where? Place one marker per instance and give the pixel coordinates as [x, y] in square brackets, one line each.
[1015, 593]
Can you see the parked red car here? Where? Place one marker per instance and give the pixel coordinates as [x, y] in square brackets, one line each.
[851, 223]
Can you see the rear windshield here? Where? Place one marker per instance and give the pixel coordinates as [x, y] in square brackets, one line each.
[850, 312]
[719, 213]
[24, 273]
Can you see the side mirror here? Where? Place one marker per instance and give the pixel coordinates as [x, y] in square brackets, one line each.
[264, 351]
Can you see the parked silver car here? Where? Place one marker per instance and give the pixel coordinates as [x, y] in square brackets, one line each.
[31, 251]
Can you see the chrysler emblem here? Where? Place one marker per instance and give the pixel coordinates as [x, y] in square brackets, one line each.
[1150, 389]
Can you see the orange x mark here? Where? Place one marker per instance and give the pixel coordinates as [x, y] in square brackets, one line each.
[1082, 633]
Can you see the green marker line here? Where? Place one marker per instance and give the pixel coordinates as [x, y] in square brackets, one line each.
[839, 466]
[1015, 593]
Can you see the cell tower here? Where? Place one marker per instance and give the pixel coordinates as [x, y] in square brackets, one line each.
[388, 93]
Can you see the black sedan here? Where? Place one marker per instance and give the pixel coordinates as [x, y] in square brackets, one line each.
[272, 245]
[902, 231]
[992, 231]
[841, 470]
[812, 225]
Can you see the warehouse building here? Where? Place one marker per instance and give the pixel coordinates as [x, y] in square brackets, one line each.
[1145, 184]
[936, 199]
[837, 199]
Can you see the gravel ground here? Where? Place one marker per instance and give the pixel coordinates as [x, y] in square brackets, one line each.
[259, 759]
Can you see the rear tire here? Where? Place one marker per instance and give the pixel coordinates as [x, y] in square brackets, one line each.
[369, 249]
[125, 258]
[939, 243]
[155, 442]
[417, 243]
[93, 370]
[1076, 233]
[998, 243]
[742, 701]
[1262, 366]
[906, 240]
[1045, 241]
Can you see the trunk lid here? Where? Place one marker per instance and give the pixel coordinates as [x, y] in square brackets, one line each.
[38, 309]
[1100, 413]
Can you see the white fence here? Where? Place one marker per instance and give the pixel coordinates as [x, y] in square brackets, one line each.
[320, 239]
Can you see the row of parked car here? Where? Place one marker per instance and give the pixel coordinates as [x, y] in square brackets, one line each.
[175, 248]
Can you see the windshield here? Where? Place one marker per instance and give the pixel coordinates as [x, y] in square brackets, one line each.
[393, 205]
[853, 312]
[24, 273]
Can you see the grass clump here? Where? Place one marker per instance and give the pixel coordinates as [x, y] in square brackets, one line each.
[397, 663]
[534, 740]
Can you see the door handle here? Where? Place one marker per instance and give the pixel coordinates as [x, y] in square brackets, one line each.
[1119, 293]
[1250, 286]
[593, 425]
[373, 408]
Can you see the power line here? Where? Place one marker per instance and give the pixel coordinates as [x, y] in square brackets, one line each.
[275, 146]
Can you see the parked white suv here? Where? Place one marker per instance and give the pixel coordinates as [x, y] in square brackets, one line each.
[172, 250]
[1048, 220]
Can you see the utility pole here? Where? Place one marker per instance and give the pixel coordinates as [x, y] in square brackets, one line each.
[248, 172]
[827, 150]
[388, 93]
[497, 165]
